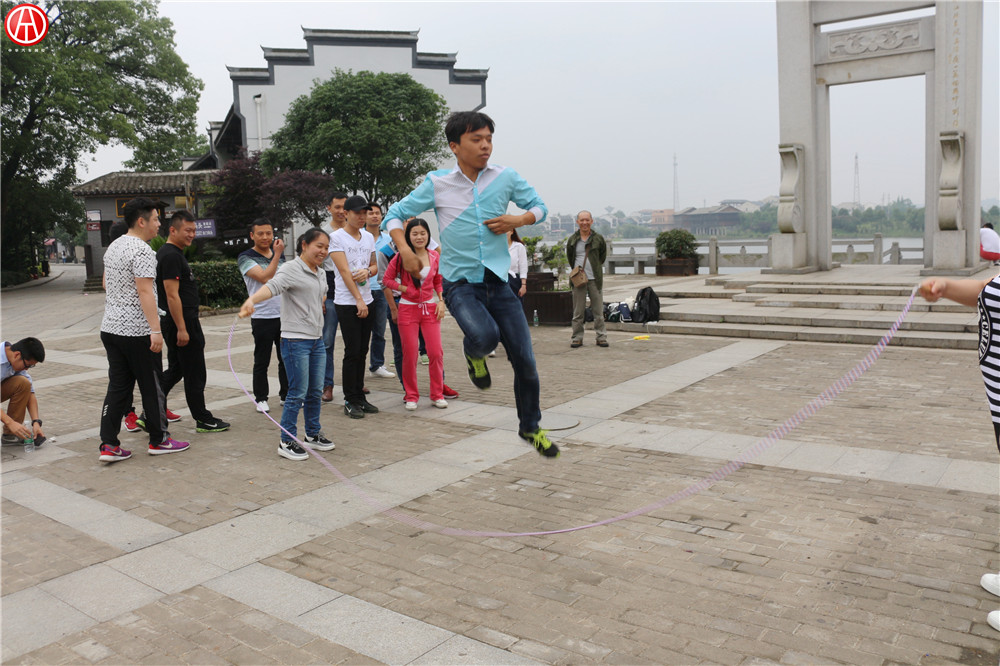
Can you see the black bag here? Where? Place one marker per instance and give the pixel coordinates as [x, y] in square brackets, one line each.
[647, 306]
[611, 312]
[588, 314]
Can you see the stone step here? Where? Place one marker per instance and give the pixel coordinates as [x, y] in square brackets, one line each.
[831, 289]
[93, 285]
[861, 336]
[871, 303]
[925, 321]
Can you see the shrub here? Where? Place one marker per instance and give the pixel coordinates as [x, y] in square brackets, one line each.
[676, 244]
[220, 284]
[11, 278]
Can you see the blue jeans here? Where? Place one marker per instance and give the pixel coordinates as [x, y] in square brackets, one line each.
[488, 312]
[304, 361]
[378, 311]
[329, 337]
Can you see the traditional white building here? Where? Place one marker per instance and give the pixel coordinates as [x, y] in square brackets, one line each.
[263, 95]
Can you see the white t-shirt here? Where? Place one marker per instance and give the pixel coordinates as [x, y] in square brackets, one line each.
[126, 259]
[989, 240]
[359, 255]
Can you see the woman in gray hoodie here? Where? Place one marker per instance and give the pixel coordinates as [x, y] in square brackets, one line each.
[302, 286]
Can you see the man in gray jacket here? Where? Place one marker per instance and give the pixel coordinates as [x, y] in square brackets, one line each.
[587, 250]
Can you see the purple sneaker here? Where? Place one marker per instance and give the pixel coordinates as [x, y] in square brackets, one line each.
[114, 453]
[170, 445]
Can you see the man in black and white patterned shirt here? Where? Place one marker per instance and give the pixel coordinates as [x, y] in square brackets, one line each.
[131, 334]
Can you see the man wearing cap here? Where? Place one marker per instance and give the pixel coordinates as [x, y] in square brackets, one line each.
[352, 250]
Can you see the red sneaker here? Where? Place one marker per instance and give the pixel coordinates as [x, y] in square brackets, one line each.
[171, 417]
[130, 422]
[449, 392]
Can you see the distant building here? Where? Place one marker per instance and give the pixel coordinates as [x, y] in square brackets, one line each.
[263, 95]
[661, 219]
[742, 205]
[105, 196]
[710, 221]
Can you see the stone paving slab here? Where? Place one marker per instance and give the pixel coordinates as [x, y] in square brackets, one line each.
[859, 538]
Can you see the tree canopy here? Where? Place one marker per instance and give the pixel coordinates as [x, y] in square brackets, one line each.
[241, 192]
[376, 134]
[106, 72]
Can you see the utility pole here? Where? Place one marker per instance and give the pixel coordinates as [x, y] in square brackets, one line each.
[677, 195]
[857, 184]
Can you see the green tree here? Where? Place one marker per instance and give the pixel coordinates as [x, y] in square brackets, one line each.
[105, 73]
[376, 134]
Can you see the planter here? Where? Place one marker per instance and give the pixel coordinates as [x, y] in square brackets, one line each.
[681, 266]
[554, 307]
[540, 281]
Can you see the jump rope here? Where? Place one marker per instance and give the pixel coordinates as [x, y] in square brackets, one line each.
[796, 419]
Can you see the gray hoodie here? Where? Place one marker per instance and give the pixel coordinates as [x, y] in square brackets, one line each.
[302, 293]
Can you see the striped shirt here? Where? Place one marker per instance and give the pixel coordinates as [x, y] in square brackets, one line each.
[462, 206]
[989, 343]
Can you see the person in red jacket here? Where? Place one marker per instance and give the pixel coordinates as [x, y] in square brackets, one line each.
[421, 308]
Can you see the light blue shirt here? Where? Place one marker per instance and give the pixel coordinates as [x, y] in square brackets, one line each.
[468, 247]
[7, 370]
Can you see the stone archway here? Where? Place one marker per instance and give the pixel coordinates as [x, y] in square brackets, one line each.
[946, 49]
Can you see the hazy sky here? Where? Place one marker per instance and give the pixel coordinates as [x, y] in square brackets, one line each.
[592, 100]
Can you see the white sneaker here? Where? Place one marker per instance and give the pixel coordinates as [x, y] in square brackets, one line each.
[991, 583]
[440, 404]
[381, 371]
[263, 407]
[492, 354]
[993, 619]
[411, 406]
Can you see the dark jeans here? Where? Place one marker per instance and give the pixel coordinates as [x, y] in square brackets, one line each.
[378, 311]
[488, 312]
[329, 338]
[187, 363]
[131, 362]
[515, 284]
[267, 334]
[357, 334]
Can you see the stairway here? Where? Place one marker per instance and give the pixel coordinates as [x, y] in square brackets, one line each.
[93, 285]
[787, 308]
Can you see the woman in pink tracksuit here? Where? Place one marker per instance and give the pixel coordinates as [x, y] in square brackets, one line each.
[421, 308]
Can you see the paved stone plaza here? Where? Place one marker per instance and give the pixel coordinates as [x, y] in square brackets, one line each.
[860, 538]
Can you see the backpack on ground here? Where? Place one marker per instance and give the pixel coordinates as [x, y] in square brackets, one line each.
[611, 312]
[625, 311]
[647, 306]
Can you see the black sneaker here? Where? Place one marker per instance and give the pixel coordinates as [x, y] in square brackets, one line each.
[540, 440]
[292, 451]
[140, 423]
[369, 408]
[354, 411]
[319, 442]
[215, 425]
[478, 372]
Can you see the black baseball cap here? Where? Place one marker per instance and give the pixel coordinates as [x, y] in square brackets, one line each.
[356, 203]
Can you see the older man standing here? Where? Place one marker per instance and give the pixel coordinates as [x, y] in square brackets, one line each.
[587, 250]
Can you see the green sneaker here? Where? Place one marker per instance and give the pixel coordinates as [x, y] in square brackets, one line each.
[540, 440]
[478, 372]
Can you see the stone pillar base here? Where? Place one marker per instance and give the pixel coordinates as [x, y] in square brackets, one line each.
[788, 251]
[949, 249]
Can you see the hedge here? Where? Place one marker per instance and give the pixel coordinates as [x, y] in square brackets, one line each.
[220, 283]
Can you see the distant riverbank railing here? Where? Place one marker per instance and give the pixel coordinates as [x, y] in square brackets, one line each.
[756, 253]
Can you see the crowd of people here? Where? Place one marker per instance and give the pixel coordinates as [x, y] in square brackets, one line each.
[361, 271]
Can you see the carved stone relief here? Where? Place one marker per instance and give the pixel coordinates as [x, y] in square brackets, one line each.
[894, 37]
[950, 182]
[792, 189]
